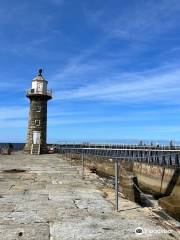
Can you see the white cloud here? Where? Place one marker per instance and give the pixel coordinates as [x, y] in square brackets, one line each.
[15, 112]
[17, 117]
[13, 124]
[160, 84]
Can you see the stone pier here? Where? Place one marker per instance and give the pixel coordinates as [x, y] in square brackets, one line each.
[43, 197]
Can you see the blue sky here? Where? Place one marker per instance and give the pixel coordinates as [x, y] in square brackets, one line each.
[114, 67]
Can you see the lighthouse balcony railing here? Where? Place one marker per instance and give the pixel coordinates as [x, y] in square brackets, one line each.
[33, 91]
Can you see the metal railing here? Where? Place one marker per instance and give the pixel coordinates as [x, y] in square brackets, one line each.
[16, 146]
[166, 155]
[33, 91]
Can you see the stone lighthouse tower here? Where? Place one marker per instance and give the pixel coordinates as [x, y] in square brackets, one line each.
[37, 125]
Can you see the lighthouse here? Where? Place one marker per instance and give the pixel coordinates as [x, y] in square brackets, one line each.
[37, 124]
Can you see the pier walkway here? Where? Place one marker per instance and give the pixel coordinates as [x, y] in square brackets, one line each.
[44, 197]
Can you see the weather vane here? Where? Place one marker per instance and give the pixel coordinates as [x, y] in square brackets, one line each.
[40, 72]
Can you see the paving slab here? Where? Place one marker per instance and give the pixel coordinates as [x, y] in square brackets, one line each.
[44, 197]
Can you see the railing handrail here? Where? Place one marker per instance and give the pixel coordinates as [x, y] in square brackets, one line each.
[160, 156]
[36, 91]
[123, 147]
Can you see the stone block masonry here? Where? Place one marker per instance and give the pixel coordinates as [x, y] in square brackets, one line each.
[34, 116]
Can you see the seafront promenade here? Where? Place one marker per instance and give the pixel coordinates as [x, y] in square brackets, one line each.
[43, 197]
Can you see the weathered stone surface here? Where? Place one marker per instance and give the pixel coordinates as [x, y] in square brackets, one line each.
[172, 202]
[24, 231]
[128, 182]
[40, 103]
[50, 200]
[153, 178]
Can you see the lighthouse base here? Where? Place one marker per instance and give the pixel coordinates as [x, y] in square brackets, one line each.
[28, 149]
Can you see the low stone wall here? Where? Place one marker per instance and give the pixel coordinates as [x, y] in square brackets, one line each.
[171, 203]
[128, 180]
[102, 165]
[153, 178]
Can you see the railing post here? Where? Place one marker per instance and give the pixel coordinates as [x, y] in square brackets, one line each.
[116, 165]
[66, 154]
[82, 159]
[71, 158]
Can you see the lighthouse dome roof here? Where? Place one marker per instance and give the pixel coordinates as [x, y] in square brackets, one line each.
[39, 77]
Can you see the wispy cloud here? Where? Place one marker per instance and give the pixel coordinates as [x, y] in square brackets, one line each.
[75, 66]
[15, 117]
[11, 113]
[13, 124]
[159, 84]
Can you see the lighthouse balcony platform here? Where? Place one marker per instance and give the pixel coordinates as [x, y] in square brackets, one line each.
[35, 92]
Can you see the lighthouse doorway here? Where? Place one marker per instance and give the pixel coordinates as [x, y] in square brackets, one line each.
[36, 137]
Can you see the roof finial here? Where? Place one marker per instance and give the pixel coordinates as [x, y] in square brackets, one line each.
[40, 72]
